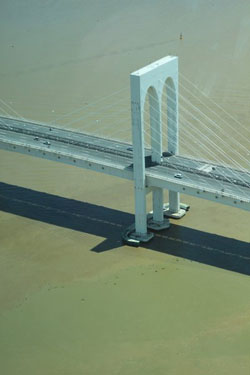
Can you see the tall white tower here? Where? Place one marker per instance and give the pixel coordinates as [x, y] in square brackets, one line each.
[153, 79]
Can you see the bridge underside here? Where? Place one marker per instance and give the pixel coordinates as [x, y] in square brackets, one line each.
[176, 173]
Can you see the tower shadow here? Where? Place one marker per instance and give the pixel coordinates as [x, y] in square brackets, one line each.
[192, 244]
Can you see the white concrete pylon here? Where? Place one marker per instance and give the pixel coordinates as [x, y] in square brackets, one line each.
[153, 80]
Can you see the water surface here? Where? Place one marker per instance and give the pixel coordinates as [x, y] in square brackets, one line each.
[73, 300]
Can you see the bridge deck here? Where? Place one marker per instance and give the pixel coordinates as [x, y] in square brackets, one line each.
[82, 150]
[178, 173]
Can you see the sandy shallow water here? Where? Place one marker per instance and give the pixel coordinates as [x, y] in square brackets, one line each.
[73, 299]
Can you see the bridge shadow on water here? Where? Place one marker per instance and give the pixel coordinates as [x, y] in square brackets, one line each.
[195, 245]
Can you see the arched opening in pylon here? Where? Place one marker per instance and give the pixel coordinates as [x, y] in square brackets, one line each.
[169, 117]
[152, 122]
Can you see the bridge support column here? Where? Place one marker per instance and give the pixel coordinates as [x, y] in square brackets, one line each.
[174, 208]
[156, 220]
[139, 232]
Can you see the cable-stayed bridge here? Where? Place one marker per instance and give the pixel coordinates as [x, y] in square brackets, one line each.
[217, 171]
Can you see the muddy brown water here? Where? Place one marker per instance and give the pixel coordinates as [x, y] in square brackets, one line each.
[73, 299]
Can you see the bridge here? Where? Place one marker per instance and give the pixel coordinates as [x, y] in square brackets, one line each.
[151, 167]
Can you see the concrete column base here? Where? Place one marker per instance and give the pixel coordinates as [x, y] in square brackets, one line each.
[132, 238]
[175, 215]
[157, 225]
